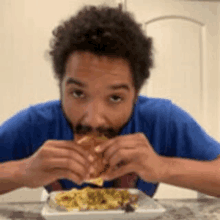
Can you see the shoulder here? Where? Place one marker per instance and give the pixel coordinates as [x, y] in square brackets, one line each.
[33, 115]
[151, 108]
[159, 107]
[46, 110]
[152, 116]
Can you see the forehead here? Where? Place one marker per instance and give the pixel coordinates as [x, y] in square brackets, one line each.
[85, 65]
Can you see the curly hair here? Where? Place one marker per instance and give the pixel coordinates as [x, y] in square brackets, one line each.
[106, 31]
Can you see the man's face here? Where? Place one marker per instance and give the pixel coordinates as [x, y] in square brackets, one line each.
[97, 94]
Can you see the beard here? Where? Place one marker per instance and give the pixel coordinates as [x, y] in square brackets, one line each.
[82, 129]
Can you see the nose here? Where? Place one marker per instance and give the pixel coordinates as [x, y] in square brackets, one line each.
[95, 115]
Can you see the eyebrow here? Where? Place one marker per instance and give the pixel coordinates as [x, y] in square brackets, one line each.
[76, 82]
[71, 80]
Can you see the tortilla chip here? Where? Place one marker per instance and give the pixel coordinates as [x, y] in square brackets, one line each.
[97, 181]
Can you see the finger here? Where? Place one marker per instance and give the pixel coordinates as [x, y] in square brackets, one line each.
[114, 141]
[113, 150]
[75, 148]
[67, 174]
[102, 147]
[71, 146]
[84, 139]
[110, 174]
[123, 156]
[66, 153]
[67, 164]
[126, 140]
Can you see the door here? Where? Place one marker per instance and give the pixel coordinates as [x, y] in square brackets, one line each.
[186, 41]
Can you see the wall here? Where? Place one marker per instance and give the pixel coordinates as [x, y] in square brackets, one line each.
[219, 65]
[26, 76]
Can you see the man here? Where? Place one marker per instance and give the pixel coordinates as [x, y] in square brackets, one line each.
[102, 58]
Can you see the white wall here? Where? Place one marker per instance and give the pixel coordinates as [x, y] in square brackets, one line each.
[26, 76]
[219, 64]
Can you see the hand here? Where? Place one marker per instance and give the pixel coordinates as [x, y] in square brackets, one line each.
[54, 160]
[132, 153]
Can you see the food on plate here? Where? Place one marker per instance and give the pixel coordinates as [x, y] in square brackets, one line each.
[89, 143]
[95, 199]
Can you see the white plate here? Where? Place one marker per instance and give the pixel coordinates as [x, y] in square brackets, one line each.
[147, 207]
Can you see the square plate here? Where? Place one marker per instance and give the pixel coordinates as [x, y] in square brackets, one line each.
[147, 207]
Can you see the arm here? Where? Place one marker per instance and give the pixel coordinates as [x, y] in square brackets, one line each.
[15, 139]
[9, 176]
[187, 139]
[140, 158]
[52, 161]
[202, 176]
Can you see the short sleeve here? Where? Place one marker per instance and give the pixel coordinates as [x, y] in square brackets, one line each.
[15, 137]
[187, 139]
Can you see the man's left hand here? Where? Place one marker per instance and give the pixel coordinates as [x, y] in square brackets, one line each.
[132, 153]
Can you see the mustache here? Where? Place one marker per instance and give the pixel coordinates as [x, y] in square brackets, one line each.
[86, 129]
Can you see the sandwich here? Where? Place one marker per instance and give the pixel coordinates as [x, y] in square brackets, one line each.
[89, 142]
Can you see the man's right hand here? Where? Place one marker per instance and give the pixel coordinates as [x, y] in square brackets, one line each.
[54, 160]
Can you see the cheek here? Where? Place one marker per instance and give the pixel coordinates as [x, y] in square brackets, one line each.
[122, 115]
[71, 112]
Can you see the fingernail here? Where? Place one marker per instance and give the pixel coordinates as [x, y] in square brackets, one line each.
[91, 158]
[97, 149]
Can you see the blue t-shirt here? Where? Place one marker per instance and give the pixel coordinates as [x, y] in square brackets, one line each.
[171, 131]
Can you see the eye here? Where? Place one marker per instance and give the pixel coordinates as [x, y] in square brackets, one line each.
[115, 98]
[78, 94]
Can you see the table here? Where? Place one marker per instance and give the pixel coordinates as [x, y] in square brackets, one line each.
[185, 209]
